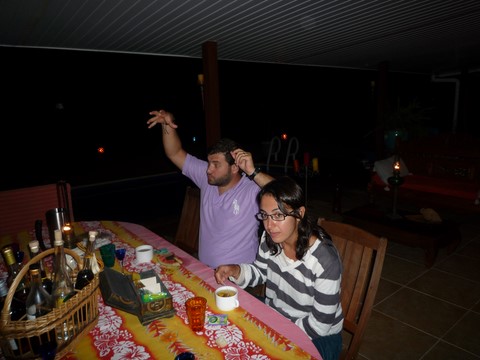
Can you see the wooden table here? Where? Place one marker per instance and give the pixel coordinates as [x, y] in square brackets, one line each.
[428, 236]
[254, 329]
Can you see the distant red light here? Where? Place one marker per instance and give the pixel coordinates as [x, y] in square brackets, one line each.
[284, 136]
[100, 150]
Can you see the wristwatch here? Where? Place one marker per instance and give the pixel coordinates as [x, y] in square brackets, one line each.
[255, 173]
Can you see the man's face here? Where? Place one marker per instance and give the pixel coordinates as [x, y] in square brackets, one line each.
[219, 171]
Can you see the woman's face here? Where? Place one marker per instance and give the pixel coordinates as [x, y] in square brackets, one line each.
[279, 231]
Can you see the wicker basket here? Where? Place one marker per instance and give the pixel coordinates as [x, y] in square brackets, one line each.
[76, 317]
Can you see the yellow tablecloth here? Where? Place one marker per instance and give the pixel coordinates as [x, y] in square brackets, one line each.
[120, 335]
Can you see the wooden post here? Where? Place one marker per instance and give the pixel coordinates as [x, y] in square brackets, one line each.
[382, 108]
[211, 93]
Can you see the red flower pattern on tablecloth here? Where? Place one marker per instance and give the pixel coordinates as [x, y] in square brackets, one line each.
[113, 341]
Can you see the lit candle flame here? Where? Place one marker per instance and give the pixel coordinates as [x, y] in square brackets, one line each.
[396, 166]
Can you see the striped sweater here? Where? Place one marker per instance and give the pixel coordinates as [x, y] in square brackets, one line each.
[305, 291]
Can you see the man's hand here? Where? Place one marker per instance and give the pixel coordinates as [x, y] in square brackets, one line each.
[162, 117]
[243, 160]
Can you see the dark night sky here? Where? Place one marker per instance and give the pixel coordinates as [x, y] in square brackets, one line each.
[106, 99]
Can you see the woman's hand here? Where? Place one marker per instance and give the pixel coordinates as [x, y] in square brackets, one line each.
[223, 272]
[162, 117]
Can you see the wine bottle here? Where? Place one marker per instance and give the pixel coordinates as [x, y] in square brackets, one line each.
[17, 305]
[63, 287]
[17, 310]
[39, 234]
[47, 283]
[86, 275]
[13, 270]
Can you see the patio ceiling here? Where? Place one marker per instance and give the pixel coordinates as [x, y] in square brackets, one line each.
[419, 36]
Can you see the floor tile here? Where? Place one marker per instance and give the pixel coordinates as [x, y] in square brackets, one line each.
[385, 289]
[445, 351]
[476, 308]
[471, 249]
[466, 333]
[421, 311]
[401, 271]
[462, 266]
[449, 287]
[417, 255]
[387, 338]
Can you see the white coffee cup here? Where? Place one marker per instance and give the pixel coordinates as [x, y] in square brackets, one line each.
[144, 254]
[226, 298]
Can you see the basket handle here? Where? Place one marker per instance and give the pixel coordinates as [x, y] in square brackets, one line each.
[22, 273]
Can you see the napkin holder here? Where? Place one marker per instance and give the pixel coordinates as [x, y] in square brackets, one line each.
[120, 292]
[160, 308]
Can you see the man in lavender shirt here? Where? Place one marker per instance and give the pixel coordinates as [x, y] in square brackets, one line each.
[228, 184]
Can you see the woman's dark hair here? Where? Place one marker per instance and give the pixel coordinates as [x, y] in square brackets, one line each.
[290, 197]
[224, 146]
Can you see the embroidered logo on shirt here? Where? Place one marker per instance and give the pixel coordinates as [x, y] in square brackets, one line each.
[236, 207]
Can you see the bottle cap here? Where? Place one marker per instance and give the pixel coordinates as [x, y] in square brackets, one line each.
[58, 234]
[34, 246]
[58, 237]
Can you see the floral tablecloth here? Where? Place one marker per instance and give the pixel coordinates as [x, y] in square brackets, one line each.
[120, 335]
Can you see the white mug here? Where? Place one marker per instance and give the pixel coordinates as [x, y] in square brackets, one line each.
[226, 298]
[144, 254]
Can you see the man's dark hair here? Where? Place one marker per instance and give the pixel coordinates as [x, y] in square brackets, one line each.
[224, 146]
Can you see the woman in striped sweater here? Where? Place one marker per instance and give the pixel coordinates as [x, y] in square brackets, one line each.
[298, 263]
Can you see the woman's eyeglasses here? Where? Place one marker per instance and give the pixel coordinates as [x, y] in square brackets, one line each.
[262, 216]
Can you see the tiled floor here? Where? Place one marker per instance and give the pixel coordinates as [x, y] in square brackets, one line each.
[419, 313]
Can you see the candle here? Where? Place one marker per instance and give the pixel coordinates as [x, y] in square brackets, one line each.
[306, 159]
[296, 166]
[68, 238]
[315, 164]
[396, 168]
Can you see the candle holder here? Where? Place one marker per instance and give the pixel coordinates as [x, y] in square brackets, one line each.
[395, 181]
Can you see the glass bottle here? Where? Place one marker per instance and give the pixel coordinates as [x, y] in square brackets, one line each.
[13, 270]
[47, 283]
[3, 294]
[39, 303]
[86, 275]
[17, 305]
[63, 287]
[92, 237]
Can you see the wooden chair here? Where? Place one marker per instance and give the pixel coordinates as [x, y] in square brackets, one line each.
[186, 236]
[20, 208]
[362, 255]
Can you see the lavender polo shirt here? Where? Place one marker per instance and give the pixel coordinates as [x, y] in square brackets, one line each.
[228, 227]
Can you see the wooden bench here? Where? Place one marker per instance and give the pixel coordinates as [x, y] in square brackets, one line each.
[444, 174]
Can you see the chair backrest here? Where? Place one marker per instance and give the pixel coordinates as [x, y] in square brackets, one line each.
[20, 208]
[362, 255]
[186, 237]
